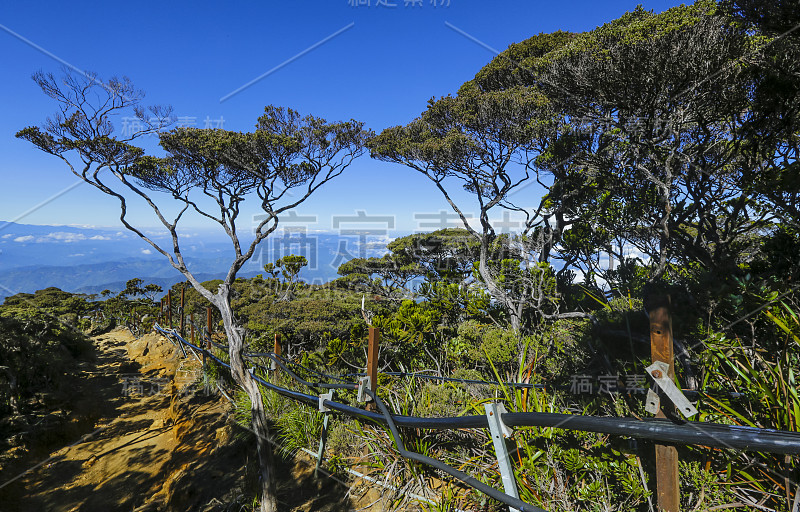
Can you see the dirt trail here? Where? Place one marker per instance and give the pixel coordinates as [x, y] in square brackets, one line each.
[151, 446]
[140, 436]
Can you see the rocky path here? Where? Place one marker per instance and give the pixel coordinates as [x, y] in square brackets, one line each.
[150, 439]
[141, 435]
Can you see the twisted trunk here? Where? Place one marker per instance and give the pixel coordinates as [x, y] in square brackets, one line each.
[245, 380]
[495, 290]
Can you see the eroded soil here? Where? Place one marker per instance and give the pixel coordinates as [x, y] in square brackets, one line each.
[140, 435]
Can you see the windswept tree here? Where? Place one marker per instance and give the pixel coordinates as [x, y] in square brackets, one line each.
[444, 255]
[484, 143]
[209, 172]
[135, 289]
[772, 145]
[662, 139]
[290, 266]
[661, 109]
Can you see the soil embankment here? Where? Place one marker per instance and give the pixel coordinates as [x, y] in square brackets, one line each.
[144, 438]
[136, 432]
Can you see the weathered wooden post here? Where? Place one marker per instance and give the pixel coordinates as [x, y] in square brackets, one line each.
[372, 361]
[276, 349]
[183, 312]
[169, 308]
[667, 483]
[208, 327]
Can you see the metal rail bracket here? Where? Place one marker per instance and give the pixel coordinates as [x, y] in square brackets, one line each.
[652, 402]
[364, 383]
[659, 371]
[322, 398]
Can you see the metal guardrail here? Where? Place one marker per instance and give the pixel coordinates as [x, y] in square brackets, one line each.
[663, 430]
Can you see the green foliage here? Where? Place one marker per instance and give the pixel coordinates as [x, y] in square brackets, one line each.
[290, 266]
[343, 442]
[242, 410]
[476, 342]
[388, 275]
[308, 322]
[710, 489]
[39, 341]
[565, 471]
[135, 288]
[766, 376]
[563, 350]
[442, 255]
[699, 176]
[442, 400]
[457, 302]
[298, 427]
[412, 324]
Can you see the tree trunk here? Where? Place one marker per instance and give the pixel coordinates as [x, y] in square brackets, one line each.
[495, 290]
[245, 380]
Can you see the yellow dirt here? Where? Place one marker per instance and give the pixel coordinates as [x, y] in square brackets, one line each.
[141, 437]
[151, 446]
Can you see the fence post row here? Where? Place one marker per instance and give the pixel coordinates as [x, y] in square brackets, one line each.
[783, 442]
[667, 484]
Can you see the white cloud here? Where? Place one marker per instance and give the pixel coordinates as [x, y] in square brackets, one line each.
[76, 255]
[8, 235]
[61, 236]
[147, 251]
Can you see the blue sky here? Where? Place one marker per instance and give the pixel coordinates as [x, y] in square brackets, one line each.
[381, 68]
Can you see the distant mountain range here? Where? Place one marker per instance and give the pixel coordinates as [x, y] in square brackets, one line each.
[90, 260]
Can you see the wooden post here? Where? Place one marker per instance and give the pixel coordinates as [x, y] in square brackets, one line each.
[169, 309]
[276, 349]
[183, 312]
[372, 361]
[208, 327]
[667, 485]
